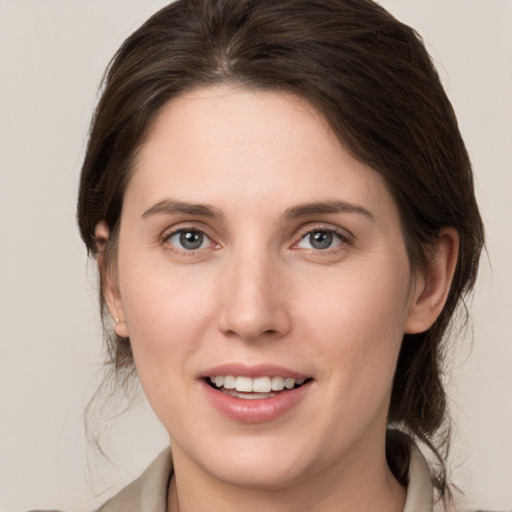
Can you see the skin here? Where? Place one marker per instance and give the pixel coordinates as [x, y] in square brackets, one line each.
[258, 292]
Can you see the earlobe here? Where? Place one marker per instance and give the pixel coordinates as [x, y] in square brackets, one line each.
[120, 328]
[108, 281]
[431, 290]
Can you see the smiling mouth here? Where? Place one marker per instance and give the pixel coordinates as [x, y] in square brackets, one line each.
[253, 389]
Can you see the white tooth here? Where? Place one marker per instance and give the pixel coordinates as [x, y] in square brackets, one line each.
[262, 385]
[243, 384]
[212, 380]
[249, 396]
[229, 382]
[277, 383]
[219, 381]
[289, 383]
[254, 396]
[298, 381]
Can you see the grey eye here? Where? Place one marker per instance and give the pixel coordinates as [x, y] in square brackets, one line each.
[320, 240]
[189, 240]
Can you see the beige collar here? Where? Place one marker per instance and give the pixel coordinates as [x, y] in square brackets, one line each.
[420, 496]
[149, 492]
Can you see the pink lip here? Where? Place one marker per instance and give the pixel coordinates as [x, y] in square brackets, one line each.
[259, 410]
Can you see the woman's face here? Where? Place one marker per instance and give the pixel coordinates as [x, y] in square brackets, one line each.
[254, 250]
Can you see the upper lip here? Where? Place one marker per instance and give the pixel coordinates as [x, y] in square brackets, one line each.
[253, 371]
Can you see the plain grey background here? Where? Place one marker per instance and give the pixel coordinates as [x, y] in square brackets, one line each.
[52, 56]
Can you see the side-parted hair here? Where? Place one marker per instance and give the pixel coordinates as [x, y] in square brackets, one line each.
[373, 81]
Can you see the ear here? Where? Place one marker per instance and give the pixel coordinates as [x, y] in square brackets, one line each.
[108, 281]
[431, 290]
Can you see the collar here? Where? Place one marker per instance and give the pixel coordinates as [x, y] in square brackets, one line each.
[149, 492]
[420, 495]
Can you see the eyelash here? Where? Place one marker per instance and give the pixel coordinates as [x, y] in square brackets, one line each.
[345, 240]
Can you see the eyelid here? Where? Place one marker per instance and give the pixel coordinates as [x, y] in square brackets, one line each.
[322, 226]
[184, 225]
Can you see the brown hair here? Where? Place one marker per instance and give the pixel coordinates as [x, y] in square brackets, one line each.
[373, 81]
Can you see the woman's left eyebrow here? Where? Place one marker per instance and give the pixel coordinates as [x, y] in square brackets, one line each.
[326, 207]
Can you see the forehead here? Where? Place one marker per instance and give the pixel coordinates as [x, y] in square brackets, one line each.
[233, 145]
[234, 122]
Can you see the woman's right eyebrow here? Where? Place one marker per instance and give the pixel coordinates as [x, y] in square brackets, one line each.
[171, 206]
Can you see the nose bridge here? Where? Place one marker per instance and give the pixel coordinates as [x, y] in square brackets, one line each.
[254, 301]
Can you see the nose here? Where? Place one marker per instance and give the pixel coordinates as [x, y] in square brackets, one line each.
[254, 298]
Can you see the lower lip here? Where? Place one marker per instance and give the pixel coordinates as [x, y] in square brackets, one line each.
[258, 410]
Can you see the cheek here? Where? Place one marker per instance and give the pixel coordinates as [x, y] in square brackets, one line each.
[359, 321]
[167, 311]
[167, 316]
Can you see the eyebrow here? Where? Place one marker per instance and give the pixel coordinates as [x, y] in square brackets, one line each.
[169, 207]
[332, 207]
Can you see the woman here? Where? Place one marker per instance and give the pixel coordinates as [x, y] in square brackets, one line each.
[282, 211]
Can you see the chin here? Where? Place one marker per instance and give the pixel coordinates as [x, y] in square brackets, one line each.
[259, 463]
[265, 473]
